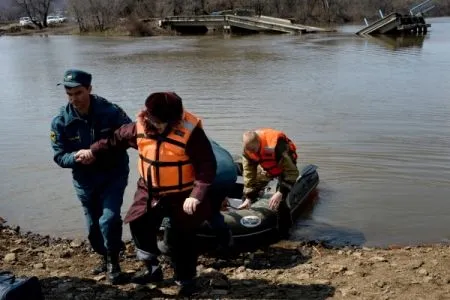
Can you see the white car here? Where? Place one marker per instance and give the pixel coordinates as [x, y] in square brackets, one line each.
[62, 19]
[25, 21]
[53, 20]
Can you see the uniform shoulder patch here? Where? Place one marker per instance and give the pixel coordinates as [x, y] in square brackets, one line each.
[52, 136]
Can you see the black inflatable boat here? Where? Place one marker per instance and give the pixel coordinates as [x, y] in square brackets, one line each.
[258, 226]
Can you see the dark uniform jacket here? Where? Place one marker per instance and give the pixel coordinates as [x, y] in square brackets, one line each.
[70, 132]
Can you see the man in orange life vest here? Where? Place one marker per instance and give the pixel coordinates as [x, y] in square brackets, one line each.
[269, 153]
[176, 166]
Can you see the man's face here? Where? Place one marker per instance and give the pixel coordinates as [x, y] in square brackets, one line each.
[79, 97]
[251, 146]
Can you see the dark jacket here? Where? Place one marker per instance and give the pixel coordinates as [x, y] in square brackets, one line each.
[199, 150]
[70, 133]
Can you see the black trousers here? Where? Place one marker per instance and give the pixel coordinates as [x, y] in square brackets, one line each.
[217, 195]
[181, 237]
[284, 219]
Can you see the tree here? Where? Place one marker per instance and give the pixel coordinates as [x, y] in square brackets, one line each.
[97, 15]
[37, 10]
[259, 6]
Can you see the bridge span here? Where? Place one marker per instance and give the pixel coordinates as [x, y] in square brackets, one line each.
[228, 22]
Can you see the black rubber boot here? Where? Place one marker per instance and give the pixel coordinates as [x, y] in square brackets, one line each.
[114, 273]
[101, 267]
[284, 220]
[187, 288]
[151, 272]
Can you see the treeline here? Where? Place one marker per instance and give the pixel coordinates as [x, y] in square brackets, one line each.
[36, 10]
[303, 11]
[103, 14]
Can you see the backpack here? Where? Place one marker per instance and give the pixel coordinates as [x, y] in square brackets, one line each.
[19, 288]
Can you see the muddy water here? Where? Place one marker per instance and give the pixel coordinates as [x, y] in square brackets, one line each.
[372, 113]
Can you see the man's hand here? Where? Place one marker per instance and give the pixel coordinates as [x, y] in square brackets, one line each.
[224, 205]
[246, 205]
[84, 156]
[190, 205]
[275, 201]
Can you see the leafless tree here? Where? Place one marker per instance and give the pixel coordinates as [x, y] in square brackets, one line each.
[97, 15]
[102, 14]
[37, 10]
[259, 6]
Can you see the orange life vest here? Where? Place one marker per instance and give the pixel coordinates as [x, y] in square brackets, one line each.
[266, 156]
[163, 162]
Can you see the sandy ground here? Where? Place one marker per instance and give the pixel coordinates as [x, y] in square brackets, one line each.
[286, 270]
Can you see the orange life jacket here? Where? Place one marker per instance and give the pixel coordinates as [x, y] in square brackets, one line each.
[266, 156]
[163, 162]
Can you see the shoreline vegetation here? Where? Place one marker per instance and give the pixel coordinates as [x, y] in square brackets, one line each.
[126, 27]
[137, 28]
[140, 18]
[286, 270]
[132, 28]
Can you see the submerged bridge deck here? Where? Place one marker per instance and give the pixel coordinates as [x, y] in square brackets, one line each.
[255, 23]
[395, 22]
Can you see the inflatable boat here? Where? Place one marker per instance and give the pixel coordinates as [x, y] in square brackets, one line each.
[258, 226]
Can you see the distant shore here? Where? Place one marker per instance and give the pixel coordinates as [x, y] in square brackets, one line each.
[286, 270]
[136, 28]
[126, 29]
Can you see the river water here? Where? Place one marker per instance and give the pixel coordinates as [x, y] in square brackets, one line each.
[371, 113]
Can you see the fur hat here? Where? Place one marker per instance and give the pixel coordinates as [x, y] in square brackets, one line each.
[166, 107]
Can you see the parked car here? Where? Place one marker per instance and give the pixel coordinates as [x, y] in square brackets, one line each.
[25, 21]
[53, 20]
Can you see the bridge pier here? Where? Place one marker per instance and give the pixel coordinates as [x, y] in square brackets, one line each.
[226, 29]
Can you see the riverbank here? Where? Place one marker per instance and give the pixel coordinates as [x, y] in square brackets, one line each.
[125, 27]
[129, 28]
[287, 270]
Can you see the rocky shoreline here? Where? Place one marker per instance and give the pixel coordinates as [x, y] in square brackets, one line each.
[286, 270]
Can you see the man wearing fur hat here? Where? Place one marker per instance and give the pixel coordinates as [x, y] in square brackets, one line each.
[176, 166]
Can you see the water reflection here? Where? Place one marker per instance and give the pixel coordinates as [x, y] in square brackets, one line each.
[398, 42]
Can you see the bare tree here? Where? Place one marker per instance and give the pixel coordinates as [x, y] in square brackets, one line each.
[259, 6]
[141, 8]
[37, 10]
[277, 6]
[97, 15]
[77, 10]
[103, 14]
